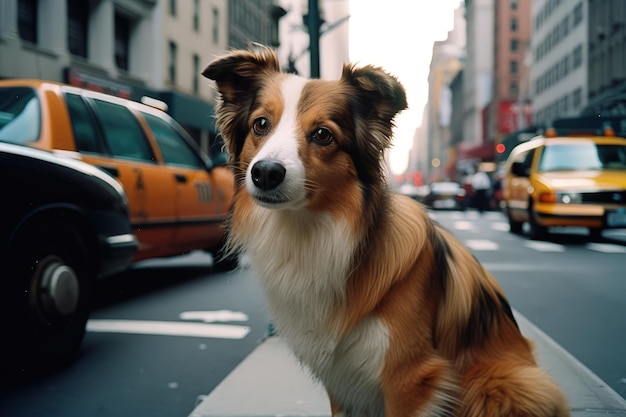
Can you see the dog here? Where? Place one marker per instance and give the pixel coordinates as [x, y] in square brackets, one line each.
[388, 310]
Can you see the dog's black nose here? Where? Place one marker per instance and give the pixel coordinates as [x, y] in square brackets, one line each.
[267, 175]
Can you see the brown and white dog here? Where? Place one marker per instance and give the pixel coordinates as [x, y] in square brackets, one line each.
[392, 314]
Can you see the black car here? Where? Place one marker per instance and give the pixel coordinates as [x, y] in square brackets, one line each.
[63, 224]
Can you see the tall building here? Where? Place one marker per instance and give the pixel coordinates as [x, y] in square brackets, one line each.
[560, 53]
[130, 48]
[510, 108]
[607, 57]
[478, 70]
[447, 60]
[252, 21]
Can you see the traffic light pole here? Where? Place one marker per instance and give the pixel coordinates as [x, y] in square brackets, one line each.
[314, 24]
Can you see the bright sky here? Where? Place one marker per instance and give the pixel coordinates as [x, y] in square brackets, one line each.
[398, 35]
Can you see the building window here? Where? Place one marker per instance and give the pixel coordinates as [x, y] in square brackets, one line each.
[122, 41]
[513, 90]
[172, 65]
[77, 19]
[215, 25]
[27, 20]
[514, 67]
[173, 7]
[514, 45]
[578, 14]
[196, 73]
[514, 4]
[196, 15]
[577, 56]
[513, 24]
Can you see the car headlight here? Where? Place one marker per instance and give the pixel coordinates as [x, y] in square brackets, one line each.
[569, 198]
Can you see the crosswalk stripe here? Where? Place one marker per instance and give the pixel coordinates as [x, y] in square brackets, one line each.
[544, 246]
[482, 245]
[606, 248]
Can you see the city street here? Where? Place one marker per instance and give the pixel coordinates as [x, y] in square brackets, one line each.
[171, 330]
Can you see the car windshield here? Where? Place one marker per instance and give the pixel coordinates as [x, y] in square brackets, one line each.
[20, 116]
[445, 187]
[582, 156]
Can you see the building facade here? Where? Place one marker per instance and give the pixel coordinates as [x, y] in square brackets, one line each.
[478, 70]
[129, 48]
[607, 57]
[511, 107]
[559, 71]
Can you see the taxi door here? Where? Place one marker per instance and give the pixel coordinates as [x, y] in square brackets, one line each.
[109, 136]
[200, 204]
[519, 184]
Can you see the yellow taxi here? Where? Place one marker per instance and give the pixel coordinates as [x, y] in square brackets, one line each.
[178, 198]
[557, 180]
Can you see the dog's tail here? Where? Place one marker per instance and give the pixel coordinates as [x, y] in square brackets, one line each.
[515, 389]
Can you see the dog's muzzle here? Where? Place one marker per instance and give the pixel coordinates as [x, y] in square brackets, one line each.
[267, 174]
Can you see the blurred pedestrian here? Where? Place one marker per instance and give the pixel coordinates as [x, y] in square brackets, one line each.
[481, 185]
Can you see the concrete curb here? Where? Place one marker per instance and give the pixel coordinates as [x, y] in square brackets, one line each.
[270, 383]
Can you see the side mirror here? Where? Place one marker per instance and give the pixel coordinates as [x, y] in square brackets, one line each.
[520, 170]
[217, 160]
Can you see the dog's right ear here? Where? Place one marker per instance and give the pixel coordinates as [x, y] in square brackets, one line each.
[239, 76]
[239, 72]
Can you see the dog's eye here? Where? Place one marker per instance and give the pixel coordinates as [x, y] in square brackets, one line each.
[322, 136]
[261, 126]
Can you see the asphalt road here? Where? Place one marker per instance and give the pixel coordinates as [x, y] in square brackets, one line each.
[198, 323]
[171, 330]
[571, 288]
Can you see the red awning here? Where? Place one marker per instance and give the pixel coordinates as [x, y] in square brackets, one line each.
[484, 151]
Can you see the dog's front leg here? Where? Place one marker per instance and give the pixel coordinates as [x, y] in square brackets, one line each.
[428, 388]
[335, 409]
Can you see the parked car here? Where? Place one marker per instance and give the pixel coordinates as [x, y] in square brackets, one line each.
[557, 180]
[178, 198]
[446, 195]
[64, 223]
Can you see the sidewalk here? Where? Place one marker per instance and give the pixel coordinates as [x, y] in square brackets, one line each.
[271, 383]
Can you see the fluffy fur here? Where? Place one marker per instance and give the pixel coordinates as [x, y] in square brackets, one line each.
[390, 312]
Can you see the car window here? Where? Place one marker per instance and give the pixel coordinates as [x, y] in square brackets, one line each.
[20, 115]
[612, 156]
[122, 132]
[86, 134]
[576, 156]
[175, 150]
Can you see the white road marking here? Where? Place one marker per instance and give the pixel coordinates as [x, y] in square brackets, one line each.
[214, 316]
[606, 247]
[463, 225]
[544, 246]
[482, 245]
[169, 328]
[500, 226]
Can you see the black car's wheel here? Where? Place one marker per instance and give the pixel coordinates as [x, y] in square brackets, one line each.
[537, 231]
[514, 226]
[52, 280]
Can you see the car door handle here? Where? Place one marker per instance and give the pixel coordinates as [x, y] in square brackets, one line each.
[180, 178]
[111, 170]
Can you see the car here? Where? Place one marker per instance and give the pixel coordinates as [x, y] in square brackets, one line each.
[178, 198]
[416, 192]
[445, 195]
[558, 180]
[64, 224]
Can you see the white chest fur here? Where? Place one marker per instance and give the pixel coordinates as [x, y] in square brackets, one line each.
[302, 263]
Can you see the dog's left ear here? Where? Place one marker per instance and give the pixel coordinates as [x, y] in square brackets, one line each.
[379, 94]
[375, 99]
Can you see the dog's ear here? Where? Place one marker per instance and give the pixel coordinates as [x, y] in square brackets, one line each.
[239, 75]
[376, 97]
[379, 94]
[238, 71]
